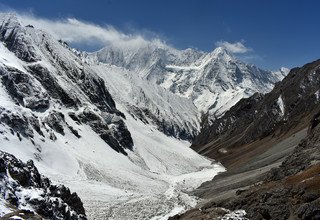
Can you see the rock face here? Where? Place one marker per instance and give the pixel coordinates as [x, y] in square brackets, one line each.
[22, 187]
[288, 107]
[45, 79]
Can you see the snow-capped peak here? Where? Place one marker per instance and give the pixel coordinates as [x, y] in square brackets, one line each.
[213, 81]
[221, 52]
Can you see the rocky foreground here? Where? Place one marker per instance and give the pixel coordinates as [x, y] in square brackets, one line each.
[24, 193]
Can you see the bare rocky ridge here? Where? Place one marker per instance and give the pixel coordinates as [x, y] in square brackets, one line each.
[288, 191]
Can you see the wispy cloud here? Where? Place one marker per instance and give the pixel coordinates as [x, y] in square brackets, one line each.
[236, 47]
[75, 31]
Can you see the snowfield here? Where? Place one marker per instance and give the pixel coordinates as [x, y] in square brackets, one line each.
[152, 182]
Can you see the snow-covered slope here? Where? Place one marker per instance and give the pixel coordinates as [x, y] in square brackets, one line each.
[213, 81]
[113, 148]
[173, 115]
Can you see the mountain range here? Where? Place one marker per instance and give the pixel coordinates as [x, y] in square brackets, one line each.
[115, 125]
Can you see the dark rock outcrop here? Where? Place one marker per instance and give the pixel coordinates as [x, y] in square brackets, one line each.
[24, 89]
[110, 128]
[23, 186]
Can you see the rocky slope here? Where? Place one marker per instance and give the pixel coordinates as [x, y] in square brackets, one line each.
[287, 109]
[289, 191]
[24, 190]
[270, 145]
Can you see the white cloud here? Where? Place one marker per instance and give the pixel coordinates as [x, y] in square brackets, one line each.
[75, 31]
[237, 47]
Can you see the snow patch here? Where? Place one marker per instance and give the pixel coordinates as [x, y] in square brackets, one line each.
[235, 215]
[281, 105]
[317, 94]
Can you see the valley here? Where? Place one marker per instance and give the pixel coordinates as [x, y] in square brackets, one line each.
[147, 131]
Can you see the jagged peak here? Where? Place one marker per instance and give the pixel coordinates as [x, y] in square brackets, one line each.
[221, 51]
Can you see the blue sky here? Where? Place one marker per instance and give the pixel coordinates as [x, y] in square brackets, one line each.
[275, 33]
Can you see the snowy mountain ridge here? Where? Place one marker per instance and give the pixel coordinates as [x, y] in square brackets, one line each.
[214, 81]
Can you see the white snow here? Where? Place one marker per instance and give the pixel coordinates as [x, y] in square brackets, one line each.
[317, 94]
[4, 209]
[235, 215]
[129, 90]
[162, 170]
[9, 59]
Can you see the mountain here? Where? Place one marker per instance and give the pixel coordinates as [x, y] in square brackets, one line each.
[171, 114]
[214, 81]
[270, 147]
[287, 109]
[41, 75]
[119, 142]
